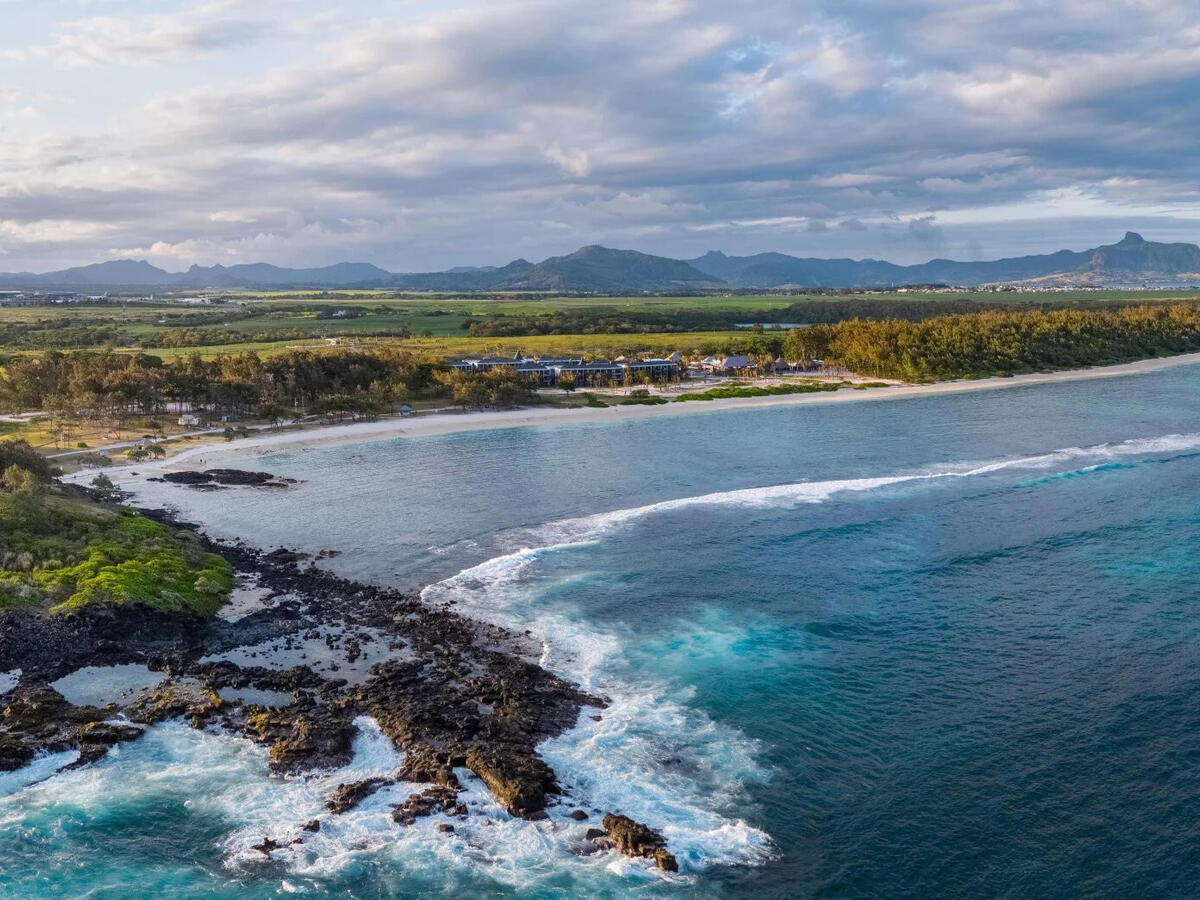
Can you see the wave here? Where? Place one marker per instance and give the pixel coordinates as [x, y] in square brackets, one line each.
[614, 763]
[526, 543]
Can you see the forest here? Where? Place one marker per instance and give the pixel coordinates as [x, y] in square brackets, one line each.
[999, 342]
[115, 387]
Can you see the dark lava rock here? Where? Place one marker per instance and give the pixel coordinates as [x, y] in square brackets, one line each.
[231, 477]
[194, 702]
[283, 557]
[187, 477]
[38, 719]
[426, 803]
[312, 825]
[315, 737]
[517, 777]
[266, 846]
[579, 815]
[635, 839]
[347, 796]
[238, 477]
[445, 828]
[424, 764]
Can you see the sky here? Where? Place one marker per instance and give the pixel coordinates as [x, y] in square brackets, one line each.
[419, 135]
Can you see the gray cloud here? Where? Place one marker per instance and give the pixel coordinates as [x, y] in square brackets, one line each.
[498, 130]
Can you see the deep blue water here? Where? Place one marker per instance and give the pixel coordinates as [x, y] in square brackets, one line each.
[946, 646]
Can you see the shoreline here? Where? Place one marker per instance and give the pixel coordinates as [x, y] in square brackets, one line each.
[437, 424]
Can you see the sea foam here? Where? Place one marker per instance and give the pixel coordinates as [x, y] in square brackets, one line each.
[617, 763]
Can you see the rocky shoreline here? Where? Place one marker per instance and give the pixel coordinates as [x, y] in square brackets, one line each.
[449, 691]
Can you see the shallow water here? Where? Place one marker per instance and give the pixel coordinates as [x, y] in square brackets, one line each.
[102, 685]
[937, 646]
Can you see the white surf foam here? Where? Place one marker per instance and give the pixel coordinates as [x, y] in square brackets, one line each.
[651, 756]
[573, 531]
[617, 763]
[38, 770]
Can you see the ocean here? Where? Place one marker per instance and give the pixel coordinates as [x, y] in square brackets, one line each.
[938, 646]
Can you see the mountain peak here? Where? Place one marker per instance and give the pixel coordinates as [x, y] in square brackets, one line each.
[1132, 237]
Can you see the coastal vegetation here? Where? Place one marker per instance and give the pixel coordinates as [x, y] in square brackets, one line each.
[775, 390]
[999, 343]
[60, 552]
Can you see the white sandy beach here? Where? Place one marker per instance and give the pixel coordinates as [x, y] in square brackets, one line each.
[450, 422]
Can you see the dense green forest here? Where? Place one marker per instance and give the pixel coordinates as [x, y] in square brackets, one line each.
[61, 553]
[999, 343]
[115, 387]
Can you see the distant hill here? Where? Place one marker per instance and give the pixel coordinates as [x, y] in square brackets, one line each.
[587, 269]
[1133, 260]
[264, 274]
[597, 268]
[463, 279]
[128, 273]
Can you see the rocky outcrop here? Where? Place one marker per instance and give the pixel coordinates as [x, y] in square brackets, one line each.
[227, 477]
[426, 803]
[347, 796]
[38, 719]
[306, 738]
[450, 692]
[519, 779]
[635, 839]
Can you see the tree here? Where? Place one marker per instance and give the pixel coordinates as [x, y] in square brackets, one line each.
[137, 454]
[567, 383]
[17, 480]
[104, 487]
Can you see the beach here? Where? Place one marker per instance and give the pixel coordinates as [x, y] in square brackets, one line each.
[450, 422]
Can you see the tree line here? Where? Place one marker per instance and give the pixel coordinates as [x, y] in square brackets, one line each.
[999, 342]
[116, 386]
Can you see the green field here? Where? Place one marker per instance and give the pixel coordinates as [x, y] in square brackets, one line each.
[438, 324]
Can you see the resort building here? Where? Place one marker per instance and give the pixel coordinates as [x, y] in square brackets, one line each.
[547, 370]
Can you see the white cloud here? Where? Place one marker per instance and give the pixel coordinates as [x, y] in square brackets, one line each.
[575, 163]
[418, 136]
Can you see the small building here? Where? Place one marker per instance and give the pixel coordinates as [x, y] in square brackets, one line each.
[406, 411]
[191, 420]
[737, 365]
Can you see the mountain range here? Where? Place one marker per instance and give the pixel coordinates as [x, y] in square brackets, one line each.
[1133, 260]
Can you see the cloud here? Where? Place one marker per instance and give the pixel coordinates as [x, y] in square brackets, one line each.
[148, 40]
[573, 162]
[418, 135]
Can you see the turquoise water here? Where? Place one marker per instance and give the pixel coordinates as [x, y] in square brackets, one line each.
[941, 646]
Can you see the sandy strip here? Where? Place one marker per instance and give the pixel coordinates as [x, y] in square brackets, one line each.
[428, 424]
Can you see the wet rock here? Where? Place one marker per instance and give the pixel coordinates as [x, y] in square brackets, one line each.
[347, 796]
[187, 478]
[311, 825]
[173, 700]
[426, 803]
[283, 556]
[445, 828]
[267, 846]
[516, 776]
[424, 764]
[318, 737]
[38, 719]
[578, 815]
[635, 839]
